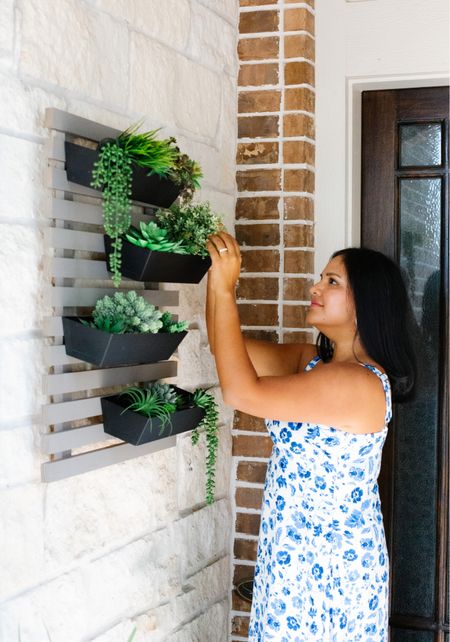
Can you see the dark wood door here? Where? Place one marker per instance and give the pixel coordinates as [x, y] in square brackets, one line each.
[405, 188]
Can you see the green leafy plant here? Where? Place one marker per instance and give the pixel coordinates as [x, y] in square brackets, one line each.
[156, 400]
[144, 149]
[187, 174]
[191, 224]
[161, 400]
[153, 237]
[206, 401]
[130, 312]
[112, 174]
[169, 325]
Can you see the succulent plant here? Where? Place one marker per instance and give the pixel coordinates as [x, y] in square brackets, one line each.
[169, 325]
[191, 224]
[155, 238]
[164, 392]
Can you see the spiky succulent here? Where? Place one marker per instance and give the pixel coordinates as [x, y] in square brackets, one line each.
[165, 392]
[155, 238]
[126, 313]
[171, 326]
[149, 402]
[191, 224]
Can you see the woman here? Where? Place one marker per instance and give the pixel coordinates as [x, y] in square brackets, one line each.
[322, 567]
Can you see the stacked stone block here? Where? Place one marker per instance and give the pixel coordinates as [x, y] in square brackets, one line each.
[130, 545]
[274, 225]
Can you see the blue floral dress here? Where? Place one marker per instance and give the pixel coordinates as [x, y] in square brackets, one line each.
[322, 569]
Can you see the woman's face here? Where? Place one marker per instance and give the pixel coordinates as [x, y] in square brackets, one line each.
[332, 304]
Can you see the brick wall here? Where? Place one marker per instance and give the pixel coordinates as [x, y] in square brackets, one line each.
[274, 225]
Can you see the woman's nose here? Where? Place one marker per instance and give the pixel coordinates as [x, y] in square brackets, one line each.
[313, 289]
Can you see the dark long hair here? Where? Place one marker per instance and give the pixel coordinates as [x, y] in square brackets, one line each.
[384, 316]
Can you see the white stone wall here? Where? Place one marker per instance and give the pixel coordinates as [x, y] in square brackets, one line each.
[91, 557]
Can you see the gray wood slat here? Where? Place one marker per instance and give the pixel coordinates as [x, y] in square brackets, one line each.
[67, 467]
[58, 384]
[56, 356]
[57, 179]
[77, 125]
[56, 413]
[86, 297]
[60, 238]
[77, 268]
[75, 211]
[58, 442]
[55, 148]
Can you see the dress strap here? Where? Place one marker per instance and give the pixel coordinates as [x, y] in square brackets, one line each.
[312, 363]
[387, 390]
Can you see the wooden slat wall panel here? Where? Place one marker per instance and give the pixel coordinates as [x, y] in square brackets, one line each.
[60, 297]
[66, 213]
[58, 384]
[62, 468]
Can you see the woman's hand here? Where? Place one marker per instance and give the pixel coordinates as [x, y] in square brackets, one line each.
[226, 262]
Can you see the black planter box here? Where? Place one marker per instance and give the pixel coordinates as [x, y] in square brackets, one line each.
[137, 429]
[141, 264]
[153, 190]
[108, 349]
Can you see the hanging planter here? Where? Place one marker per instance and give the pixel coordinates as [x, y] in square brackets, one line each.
[152, 190]
[104, 349]
[141, 264]
[137, 429]
[124, 330]
[142, 414]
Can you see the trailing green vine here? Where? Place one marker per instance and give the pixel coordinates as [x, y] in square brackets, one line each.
[161, 400]
[112, 174]
[206, 401]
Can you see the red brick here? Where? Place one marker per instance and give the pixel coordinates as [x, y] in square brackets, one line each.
[261, 100]
[263, 234]
[298, 337]
[298, 208]
[239, 625]
[301, 46]
[258, 48]
[294, 316]
[247, 523]
[256, 153]
[299, 98]
[298, 262]
[252, 445]
[299, 180]
[242, 421]
[252, 471]
[298, 20]
[297, 73]
[298, 236]
[261, 335]
[245, 549]
[297, 289]
[258, 288]
[260, 261]
[242, 573]
[298, 151]
[257, 207]
[258, 314]
[258, 126]
[239, 604]
[256, 75]
[258, 180]
[298, 125]
[258, 21]
[249, 497]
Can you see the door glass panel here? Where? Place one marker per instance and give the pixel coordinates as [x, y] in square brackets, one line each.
[420, 145]
[402, 635]
[415, 473]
